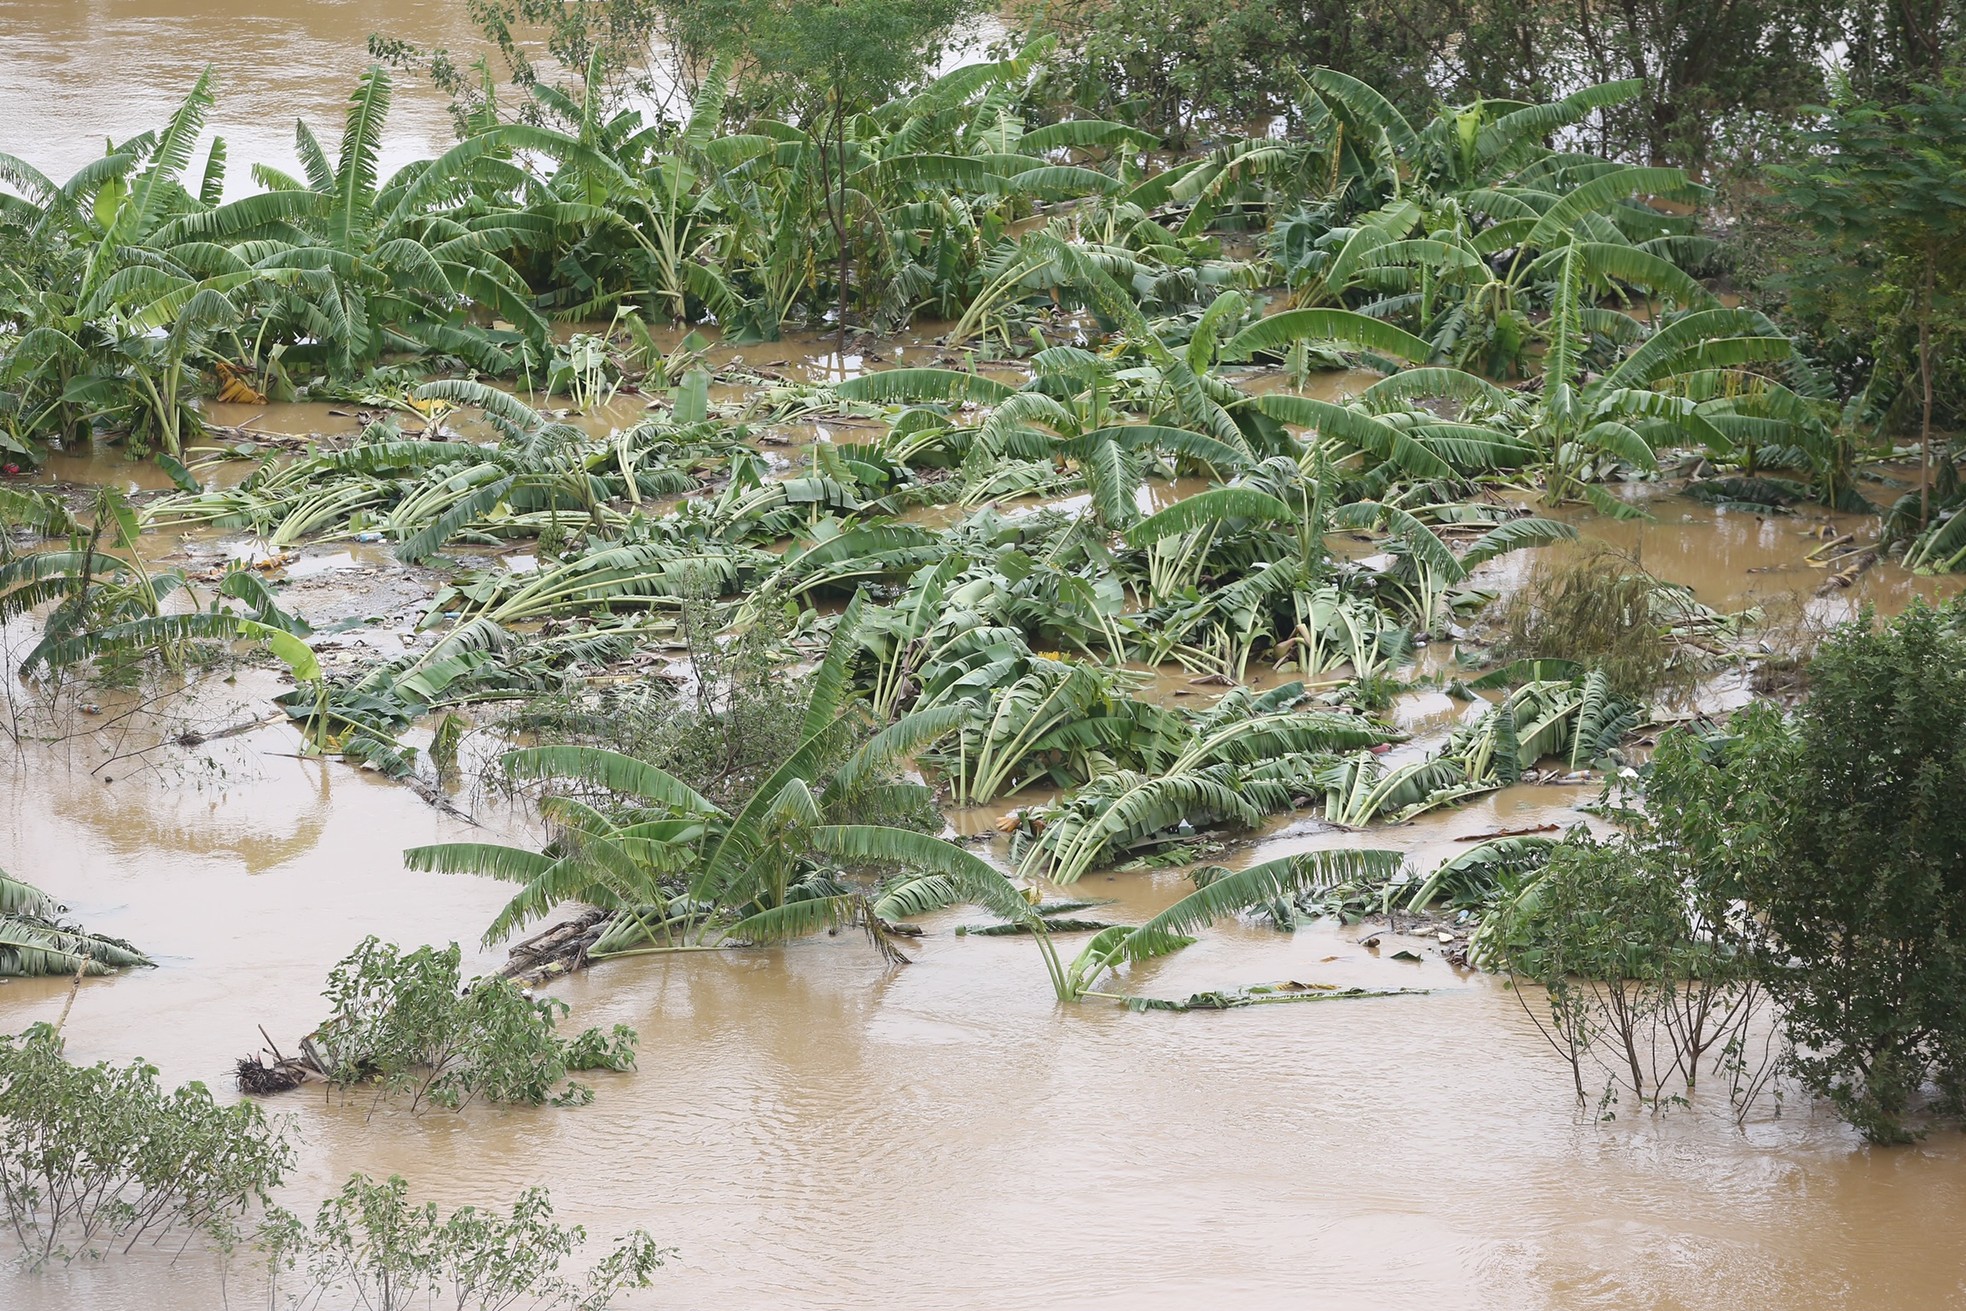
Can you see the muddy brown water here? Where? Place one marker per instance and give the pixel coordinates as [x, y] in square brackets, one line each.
[811, 1129]
[77, 72]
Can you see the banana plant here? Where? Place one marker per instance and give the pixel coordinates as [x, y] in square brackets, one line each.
[35, 940]
[102, 600]
[398, 259]
[678, 872]
[1220, 893]
[1577, 720]
[1244, 759]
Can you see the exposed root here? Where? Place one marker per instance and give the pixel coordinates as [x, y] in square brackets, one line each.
[258, 1079]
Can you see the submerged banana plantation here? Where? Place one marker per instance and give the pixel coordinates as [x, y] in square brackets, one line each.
[1117, 465]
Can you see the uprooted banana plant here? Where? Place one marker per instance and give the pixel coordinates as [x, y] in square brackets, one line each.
[101, 600]
[1249, 756]
[1578, 720]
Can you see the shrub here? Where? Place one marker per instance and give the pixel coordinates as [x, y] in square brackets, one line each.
[402, 1021]
[371, 1247]
[1863, 900]
[1599, 608]
[98, 1157]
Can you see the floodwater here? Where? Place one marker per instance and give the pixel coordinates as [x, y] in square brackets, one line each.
[76, 74]
[79, 72]
[811, 1128]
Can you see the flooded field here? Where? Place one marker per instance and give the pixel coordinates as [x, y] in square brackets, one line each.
[809, 1127]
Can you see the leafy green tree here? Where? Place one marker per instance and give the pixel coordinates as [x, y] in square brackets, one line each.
[402, 1021]
[1185, 68]
[823, 61]
[1885, 196]
[1862, 898]
[374, 1247]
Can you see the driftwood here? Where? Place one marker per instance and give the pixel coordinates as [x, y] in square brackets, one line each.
[1510, 833]
[555, 951]
[286, 1073]
[1846, 569]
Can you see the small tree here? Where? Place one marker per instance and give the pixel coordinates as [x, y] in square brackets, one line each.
[1637, 982]
[402, 1022]
[98, 1158]
[370, 1246]
[1862, 899]
[1886, 196]
[824, 61]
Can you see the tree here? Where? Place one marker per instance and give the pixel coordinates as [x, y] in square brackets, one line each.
[1886, 197]
[371, 1246]
[1862, 899]
[823, 61]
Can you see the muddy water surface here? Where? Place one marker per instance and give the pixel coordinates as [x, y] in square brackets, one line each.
[78, 71]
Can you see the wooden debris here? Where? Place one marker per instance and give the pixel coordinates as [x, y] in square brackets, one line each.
[1509, 833]
[555, 951]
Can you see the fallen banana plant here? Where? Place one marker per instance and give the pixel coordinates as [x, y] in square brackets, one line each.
[36, 941]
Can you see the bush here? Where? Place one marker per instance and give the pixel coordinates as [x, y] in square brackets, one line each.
[97, 1157]
[1600, 608]
[1639, 983]
[402, 1022]
[371, 1247]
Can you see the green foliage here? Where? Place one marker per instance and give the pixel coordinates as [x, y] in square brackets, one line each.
[403, 1022]
[1601, 609]
[34, 940]
[101, 602]
[1182, 68]
[678, 871]
[1879, 285]
[1859, 885]
[371, 1246]
[1635, 979]
[95, 1159]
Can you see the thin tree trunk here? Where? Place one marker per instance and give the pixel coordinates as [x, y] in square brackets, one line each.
[836, 211]
[1925, 383]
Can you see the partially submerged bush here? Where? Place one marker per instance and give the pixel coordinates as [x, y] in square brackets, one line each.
[370, 1246]
[1639, 986]
[96, 1158]
[403, 1022]
[1599, 608]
